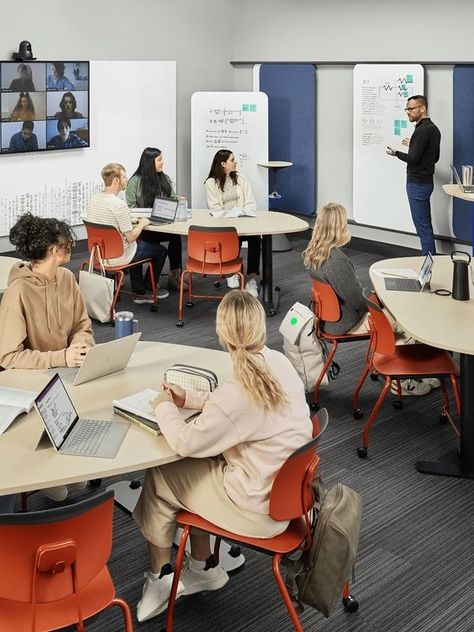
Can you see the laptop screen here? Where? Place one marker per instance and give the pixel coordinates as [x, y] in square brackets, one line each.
[425, 271]
[164, 208]
[56, 410]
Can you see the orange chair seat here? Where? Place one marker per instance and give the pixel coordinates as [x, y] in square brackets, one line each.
[61, 613]
[287, 541]
[228, 267]
[412, 360]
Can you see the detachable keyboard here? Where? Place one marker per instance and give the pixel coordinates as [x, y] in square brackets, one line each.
[403, 285]
[86, 439]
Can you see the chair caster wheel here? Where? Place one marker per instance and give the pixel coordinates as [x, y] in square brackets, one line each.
[397, 404]
[374, 377]
[314, 406]
[350, 604]
[443, 418]
[94, 483]
[154, 308]
[112, 323]
[357, 413]
[217, 283]
[272, 312]
[362, 452]
[277, 289]
[189, 304]
[180, 323]
[234, 551]
[135, 484]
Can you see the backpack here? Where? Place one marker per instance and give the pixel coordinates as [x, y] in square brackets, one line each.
[303, 348]
[318, 576]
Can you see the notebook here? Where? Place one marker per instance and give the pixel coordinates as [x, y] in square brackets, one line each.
[163, 211]
[466, 188]
[71, 435]
[413, 285]
[100, 360]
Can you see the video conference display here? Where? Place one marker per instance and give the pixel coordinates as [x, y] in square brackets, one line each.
[44, 105]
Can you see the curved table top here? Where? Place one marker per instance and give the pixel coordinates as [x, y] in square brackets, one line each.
[275, 164]
[455, 191]
[22, 468]
[266, 223]
[439, 321]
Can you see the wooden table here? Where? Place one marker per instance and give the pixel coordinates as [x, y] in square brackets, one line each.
[441, 322]
[454, 190]
[266, 224]
[6, 264]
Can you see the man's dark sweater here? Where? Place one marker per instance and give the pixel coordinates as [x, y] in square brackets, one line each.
[423, 152]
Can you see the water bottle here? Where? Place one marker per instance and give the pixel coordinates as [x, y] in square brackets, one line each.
[182, 211]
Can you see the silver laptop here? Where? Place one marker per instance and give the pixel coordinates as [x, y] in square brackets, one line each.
[71, 435]
[164, 211]
[413, 285]
[100, 360]
[135, 213]
[465, 188]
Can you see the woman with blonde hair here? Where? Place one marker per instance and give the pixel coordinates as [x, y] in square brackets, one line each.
[252, 422]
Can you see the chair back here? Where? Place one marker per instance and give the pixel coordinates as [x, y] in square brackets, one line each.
[382, 338]
[327, 308]
[213, 246]
[107, 238]
[292, 492]
[48, 555]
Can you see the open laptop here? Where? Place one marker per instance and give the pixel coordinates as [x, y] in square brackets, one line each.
[163, 211]
[465, 188]
[101, 360]
[413, 285]
[136, 213]
[71, 435]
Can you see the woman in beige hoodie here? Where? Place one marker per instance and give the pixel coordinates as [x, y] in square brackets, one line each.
[251, 423]
[43, 318]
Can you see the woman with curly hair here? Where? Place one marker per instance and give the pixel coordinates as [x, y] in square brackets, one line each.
[24, 109]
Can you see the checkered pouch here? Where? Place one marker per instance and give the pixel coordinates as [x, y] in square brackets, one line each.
[191, 378]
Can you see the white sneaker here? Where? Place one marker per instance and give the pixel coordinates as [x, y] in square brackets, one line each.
[57, 494]
[432, 381]
[155, 596]
[252, 287]
[77, 487]
[411, 387]
[233, 281]
[195, 581]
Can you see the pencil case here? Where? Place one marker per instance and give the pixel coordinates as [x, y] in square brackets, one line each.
[192, 378]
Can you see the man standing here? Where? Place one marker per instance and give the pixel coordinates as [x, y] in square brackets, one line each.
[423, 154]
[107, 208]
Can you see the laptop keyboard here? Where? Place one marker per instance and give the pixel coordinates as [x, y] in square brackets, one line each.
[402, 285]
[88, 438]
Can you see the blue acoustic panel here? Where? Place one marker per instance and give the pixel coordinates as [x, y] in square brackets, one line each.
[291, 90]
[463, 143]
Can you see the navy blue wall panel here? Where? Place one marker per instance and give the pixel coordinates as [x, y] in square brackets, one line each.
[291, 90]
[463, 142]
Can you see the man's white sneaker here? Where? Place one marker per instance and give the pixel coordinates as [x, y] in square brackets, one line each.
[195, 580]
[57, 494]
[233, 281]
[252, 287]
[432, 381]
[411, 387]
[155, 596]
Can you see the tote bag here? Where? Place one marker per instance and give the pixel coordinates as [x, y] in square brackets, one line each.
[97, 289]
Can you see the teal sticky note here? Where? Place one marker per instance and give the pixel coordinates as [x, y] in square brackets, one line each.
[409, 78]
[397, 131]
[397, 123]
[253, 107]
[404, 123]
[245, 107]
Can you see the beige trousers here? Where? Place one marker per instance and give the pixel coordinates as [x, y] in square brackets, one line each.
[196, 485]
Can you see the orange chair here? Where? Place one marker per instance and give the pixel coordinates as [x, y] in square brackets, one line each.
[109, 242]
[54, 567]
[211, 252]
[327, 310]
[291, 498]
[400, 362]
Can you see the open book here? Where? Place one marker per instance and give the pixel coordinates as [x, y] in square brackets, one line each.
[14, 402]
[136, 408]
[235, 211]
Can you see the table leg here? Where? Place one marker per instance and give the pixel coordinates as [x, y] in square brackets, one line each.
[267, 276]
[464, 468]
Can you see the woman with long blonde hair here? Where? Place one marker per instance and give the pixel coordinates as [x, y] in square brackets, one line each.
[252, 422]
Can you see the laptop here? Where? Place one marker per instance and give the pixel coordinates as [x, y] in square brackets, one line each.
[135, 213]
[100, 360]
[413, 285]
[163, 211]
[465, 188]
[71, 435]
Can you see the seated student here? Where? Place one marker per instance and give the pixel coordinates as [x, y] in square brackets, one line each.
[65, 139]
[325, 261]
[56, 80]
[107, 208]
[24, 109]
[43, 315]
[25, 140]
[68, 105]
[252, 422]
[24, 82]
[148, 181]
[225, 188]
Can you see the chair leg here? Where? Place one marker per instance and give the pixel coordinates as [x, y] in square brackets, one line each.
[177, 573]
[373, 414]
[119, 276]
[455, 385]
[242, 280]
[181, 297]
[445, 396]
[217, 548]
[127, 615]
[284, 593]
[326, 366]
[152, 283]
[360, 383]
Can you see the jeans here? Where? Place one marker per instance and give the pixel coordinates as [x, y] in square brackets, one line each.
[7, 503]
[419, 194]
[174, 246]
[147, 250]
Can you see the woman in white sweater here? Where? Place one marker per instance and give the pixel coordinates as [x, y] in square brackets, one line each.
[225, 188]
[247, 428]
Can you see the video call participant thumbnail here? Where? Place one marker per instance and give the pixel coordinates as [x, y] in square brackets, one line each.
[24, 81]
[68, 105]
[56, 80]
[25, 140]
[65, 139]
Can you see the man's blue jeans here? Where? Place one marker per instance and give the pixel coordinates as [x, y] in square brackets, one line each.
[147, 250]
[419, 199]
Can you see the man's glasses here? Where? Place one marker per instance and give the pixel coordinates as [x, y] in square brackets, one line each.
[413, 108]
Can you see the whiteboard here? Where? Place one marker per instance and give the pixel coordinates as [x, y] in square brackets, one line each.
[237, 121]
[133, 105]
[380, 95]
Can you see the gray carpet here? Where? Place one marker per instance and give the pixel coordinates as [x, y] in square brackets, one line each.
[414, 569]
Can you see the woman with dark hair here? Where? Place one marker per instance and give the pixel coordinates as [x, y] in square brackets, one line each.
[148, 181]
[24, 109]
[225, 188]
[44, 319]
[24, 81]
